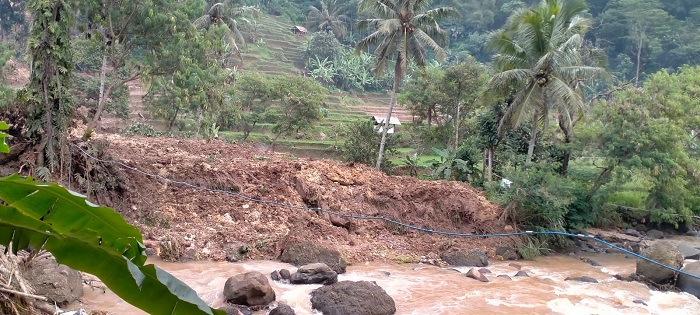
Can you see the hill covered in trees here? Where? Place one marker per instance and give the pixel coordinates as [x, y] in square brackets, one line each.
[584, 106]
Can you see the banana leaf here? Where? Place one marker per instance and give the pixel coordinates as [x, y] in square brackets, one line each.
[92, 239]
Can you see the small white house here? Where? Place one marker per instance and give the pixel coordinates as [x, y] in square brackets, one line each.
[505, 183]
[379, 123]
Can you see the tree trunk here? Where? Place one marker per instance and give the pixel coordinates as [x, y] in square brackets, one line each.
[484, 156]
[171, 122]
[430, 115]
[533, 136]
[457, 128]
[602, 179]
[640, 44]
[382, 143]
[272, 144]
[566, 156]
[247, 129]
[101, 99]
[490, 168]
[200, 117]
[45, 146]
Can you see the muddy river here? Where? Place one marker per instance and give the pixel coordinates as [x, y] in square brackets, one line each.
[425, 289]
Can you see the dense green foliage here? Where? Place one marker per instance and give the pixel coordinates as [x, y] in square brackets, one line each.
[402, 32]
[47, 94]
[601, 144]
[362, 144]
[335, 64]
[540, 64]
[6, 94]
[297, 103]
[4, 148]
[641, 36]
[633, 161]
[328, 18]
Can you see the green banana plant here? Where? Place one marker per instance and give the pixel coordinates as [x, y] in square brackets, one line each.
[3, 146]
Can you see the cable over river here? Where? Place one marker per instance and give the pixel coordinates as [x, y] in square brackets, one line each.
[424, 289]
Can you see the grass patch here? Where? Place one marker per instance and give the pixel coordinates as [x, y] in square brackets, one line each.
[423, 160]
[307, 141]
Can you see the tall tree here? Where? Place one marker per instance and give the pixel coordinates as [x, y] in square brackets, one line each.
[136, 40]
[401, 32]
[328, 18]
[228, 15]
[647, 132]
[51, 69]
[199, 84]
[540, 65]
[642, 31]
[464, 83]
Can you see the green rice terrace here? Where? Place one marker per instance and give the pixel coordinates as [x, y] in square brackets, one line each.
[273, 49]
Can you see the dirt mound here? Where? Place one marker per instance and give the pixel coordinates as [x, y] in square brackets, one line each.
[207, 220]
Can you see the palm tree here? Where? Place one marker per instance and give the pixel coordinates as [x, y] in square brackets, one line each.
[328, 18]
[228, 16]
[403, 30]
[540, 66]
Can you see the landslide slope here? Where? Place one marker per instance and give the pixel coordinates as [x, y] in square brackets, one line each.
[208, 222]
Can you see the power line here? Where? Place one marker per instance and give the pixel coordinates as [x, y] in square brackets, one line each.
[380, 218]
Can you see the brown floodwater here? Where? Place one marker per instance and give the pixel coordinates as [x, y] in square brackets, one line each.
[424, 289]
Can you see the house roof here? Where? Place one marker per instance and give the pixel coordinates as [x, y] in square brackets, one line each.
[300, 29]
[392, 120]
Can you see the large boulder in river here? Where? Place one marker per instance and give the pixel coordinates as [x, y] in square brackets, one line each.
[665, 253]
[507, 253]
[305, 253]
[56, 282]
[352, 298]
[466, 257]
[687, 283]
[313, 274]
[251, 289]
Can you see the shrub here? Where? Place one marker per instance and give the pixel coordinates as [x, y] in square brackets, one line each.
[362, 144]
[141, 129]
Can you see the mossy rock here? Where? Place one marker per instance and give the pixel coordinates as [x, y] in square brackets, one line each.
[665, 253]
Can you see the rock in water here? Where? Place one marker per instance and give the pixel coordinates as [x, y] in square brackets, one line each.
[251, 289]
[521, 273]
[485, 271]
[467, 257]
[314, 273]
[275, 275]
[581, 279]
[304, 253]
[655, 234]
[477, 275]
[507, 253]
[282, 309]
[665, 253]
[57, 282]
[687, 283]
[590, 261]
[689, 251]
[352, 298]
[236, 310]
[285, 274]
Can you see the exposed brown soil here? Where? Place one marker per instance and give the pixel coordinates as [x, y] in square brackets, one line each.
[206, 220]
